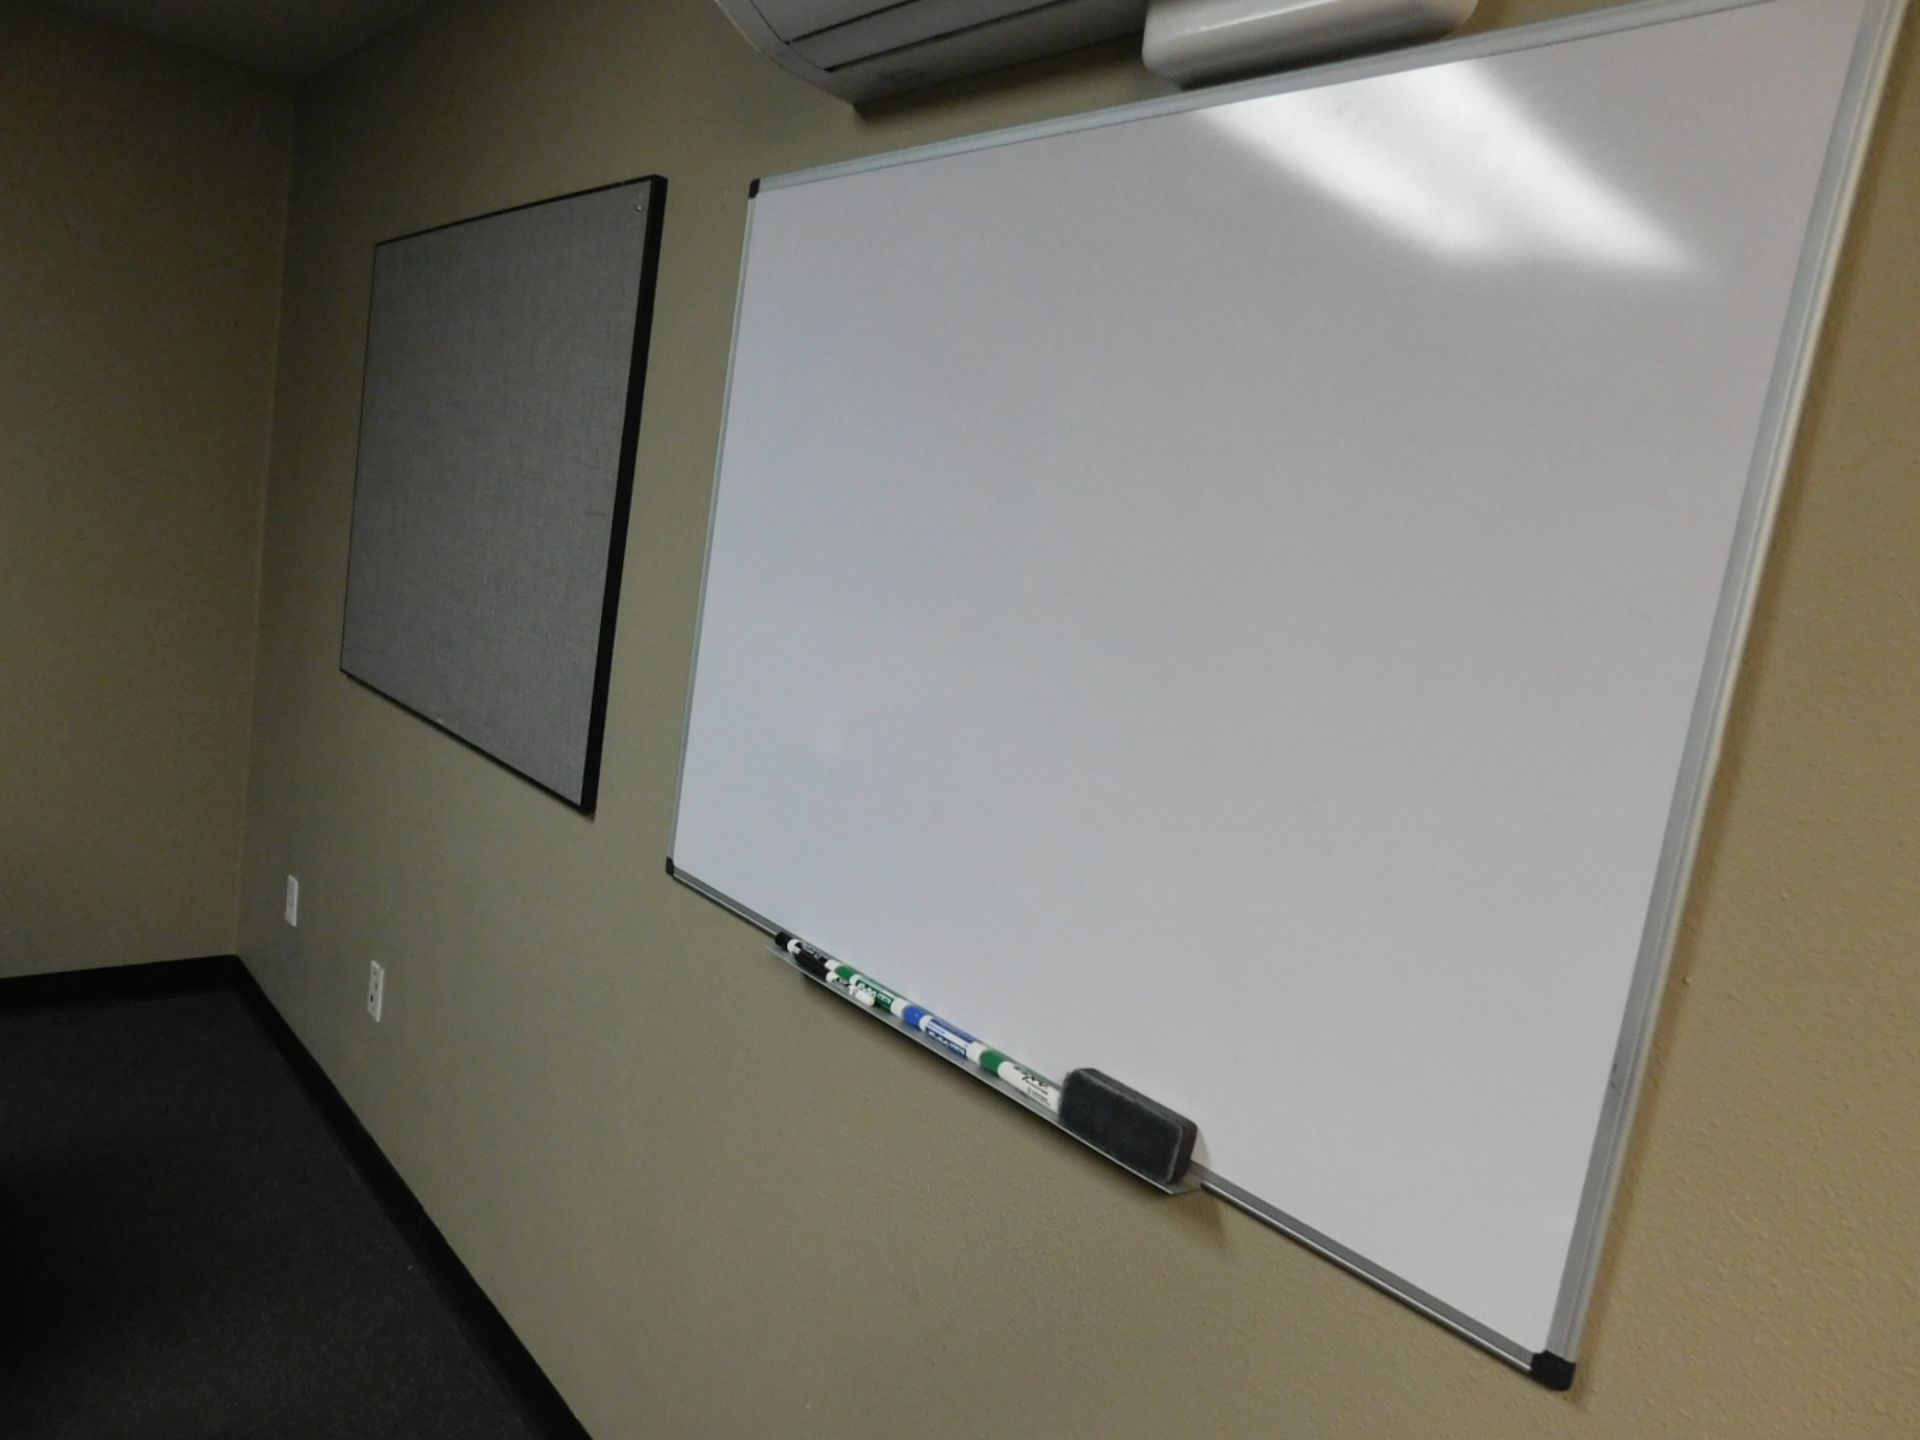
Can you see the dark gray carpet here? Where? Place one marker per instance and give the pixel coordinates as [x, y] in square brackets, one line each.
[187, 1254]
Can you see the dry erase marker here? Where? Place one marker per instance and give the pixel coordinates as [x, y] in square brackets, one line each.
[867, 992]
[948, 1037]
[1030, 1083]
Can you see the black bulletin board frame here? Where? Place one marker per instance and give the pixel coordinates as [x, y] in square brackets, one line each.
[622, 498]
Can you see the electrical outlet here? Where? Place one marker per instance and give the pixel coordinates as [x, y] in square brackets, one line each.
[376, 989]
[293, 899]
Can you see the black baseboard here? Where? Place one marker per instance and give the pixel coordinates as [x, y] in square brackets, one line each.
[116, 983]
[518, 1373]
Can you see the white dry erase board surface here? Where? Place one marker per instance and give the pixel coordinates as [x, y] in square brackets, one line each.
[1241, 592]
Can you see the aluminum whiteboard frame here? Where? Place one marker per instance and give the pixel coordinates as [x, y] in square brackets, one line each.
[1779, 422]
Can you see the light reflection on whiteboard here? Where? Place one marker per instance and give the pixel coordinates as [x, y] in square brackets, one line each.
[1447, 159]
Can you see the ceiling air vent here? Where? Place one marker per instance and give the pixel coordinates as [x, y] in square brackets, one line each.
[861, 50]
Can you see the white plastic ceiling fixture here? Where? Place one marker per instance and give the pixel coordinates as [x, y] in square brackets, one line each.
[1192, 42]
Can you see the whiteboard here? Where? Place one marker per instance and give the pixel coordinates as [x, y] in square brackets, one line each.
[1241, 591]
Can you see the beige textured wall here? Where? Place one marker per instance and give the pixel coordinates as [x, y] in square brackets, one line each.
[718, 1203]
[142, 204]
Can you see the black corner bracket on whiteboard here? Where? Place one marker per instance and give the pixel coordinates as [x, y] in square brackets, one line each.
[1552, 1371]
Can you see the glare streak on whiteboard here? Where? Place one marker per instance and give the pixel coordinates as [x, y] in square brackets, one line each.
[1447, 159]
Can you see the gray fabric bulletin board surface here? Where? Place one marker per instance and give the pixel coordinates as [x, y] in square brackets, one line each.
[505, 361]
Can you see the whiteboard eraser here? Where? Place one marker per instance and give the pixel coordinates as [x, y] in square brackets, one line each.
[1125, 1126]
[1191, 42]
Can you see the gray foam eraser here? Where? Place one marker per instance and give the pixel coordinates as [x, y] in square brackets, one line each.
[1124, 1125]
